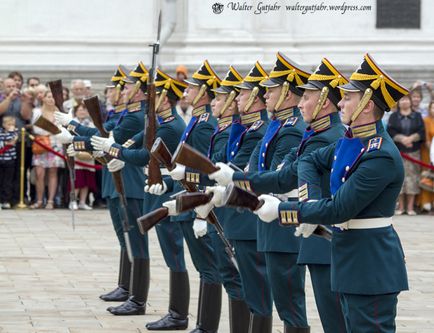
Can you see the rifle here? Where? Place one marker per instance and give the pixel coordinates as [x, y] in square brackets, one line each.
[94, 108]
[190, 157]
[237, 197]
[154, 175]
[147, 221]
[57, 92]
[162, 154]
[190, 200]
[47, 125]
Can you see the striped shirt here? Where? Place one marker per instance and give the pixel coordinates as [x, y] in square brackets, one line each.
[11, 153]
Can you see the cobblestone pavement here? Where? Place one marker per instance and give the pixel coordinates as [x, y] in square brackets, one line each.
[50, 276]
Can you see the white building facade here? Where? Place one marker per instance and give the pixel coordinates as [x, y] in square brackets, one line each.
[87, 39]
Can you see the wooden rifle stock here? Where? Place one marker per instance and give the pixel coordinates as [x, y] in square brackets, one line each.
[161, 152]
[146, 222]
[57, 92]
[189, 201]
[47, 125]
[190, 157]
[94, 108]
[237, 197]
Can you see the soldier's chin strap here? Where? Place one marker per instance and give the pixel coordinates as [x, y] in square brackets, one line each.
[251, 99]
[320, 103]
[199, 94]
[118, 93]
[362, 104]
[283, 93]
[228, 102]
[160, 99]
[135, 89]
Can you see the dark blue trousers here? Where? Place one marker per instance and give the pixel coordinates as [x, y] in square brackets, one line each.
[370, 313]
[256, 286]
[202, 253]
[171, 242]
[327, 302]
[139, 243]
[287, 285]
[228, 273]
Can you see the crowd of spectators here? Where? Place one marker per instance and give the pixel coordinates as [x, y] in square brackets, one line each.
[46, 181]
[410, 124]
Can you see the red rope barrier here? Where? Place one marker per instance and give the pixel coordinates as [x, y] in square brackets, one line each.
[49, 149]
[5, 149]
[413, 160]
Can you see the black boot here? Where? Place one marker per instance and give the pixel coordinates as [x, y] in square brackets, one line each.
[120, 294]
[260, 324]
[296, 329]
[239, 316]
[136, 303]
[177, 318]
[210, 303]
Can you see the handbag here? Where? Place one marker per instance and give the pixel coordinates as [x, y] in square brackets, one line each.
[37, 149]
[427, 181]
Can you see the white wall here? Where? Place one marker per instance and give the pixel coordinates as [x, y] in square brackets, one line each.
[90, 37]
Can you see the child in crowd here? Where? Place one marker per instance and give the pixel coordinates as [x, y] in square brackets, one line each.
[85, 181]
[8, 155]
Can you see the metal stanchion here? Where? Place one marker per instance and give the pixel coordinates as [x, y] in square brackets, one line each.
[21, 204]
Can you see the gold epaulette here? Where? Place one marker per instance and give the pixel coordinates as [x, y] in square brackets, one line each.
[284, 114]
[199, 111]
[114, 151]
[128, 143]
[250, 118]
[243, 184]
[120, 108]
[224, 122]
[165, 114]
[321, 124]
[134, 107]
[288, 217]
[303, 193]
[364, 131]
[192, 177]
[79, 145]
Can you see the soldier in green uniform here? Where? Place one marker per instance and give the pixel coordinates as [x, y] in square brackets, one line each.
[198, 132]
[129, 123]
[242, 226]
[367, 267]
[169, 234]
[224, 108]
[319, 109]
[283, 133]
[115, 86]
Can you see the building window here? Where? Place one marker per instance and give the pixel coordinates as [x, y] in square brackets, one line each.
[398, 14]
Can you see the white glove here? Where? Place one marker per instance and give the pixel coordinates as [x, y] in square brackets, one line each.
[62, 118]
[178, 173]
[270, 209]
[115, 165]
[70, 151]
[99, 143]
[199, 228]
[98, 153]
[218, 192]
[64, 136]
[222, 176]
[156, 189]
[305, 229]
[203, 211]
[171, 206]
